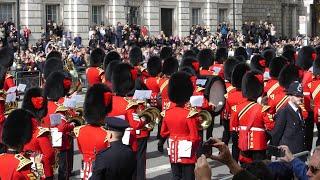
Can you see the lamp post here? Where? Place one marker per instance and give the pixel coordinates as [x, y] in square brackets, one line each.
[18, 24]
[234, 15]
[127, 9]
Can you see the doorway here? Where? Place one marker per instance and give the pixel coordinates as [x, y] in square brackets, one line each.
[167, 21]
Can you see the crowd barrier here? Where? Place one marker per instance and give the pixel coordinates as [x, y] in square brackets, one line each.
[29, 78]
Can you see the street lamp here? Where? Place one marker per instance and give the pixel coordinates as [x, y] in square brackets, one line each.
[234, 15]
[18, 24]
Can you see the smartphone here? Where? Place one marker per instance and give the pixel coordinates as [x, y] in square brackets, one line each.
[205, 148]
[275, 151]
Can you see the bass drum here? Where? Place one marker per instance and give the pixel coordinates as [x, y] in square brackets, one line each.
[214, 92]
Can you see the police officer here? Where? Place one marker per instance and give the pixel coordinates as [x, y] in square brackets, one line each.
[118, 160]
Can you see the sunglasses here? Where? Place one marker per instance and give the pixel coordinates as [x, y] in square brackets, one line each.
[313, 169]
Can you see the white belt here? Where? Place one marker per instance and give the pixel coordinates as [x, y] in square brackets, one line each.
[244, 128]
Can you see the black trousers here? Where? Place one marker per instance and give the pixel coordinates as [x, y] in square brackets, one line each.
[210, 129]
[65, 165]
[141, 158]
[159, 137]
[309, 131]
[235, 148]
[318, 140]
[182, 171]
[226, 132]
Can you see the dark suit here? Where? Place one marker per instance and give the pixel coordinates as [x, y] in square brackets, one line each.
[116, 162]
[289, 130]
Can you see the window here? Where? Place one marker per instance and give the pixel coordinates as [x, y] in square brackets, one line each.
[134, 15]
[223, 15]
[6, 11]
[97, 15]
[52, 13]
[195, 16]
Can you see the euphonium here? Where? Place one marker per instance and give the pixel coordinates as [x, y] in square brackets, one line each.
[205, 118]
[9, 106]
[152, 116]
[76, 117]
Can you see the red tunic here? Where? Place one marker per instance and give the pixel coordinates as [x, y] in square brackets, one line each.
[178, 127]
[253, 121]
[205, 72]
[41, 144]
[15, 167]
[272, 87]
[314, 87]
[217, 69]
[8, 82]
[277, 101]
[307, 78]
[89, 146]
[94, 75]
[163, 84]
[233, 98]
[122, 110]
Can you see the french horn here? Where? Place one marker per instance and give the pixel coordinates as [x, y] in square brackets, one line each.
[205, 118]
[152, 116]
[75, 117]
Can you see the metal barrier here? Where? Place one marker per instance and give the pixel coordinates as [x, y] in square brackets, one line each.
[29, 78]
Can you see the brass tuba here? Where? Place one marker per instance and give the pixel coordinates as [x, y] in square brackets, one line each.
[152, 116]
[75, 117]
[205, 118]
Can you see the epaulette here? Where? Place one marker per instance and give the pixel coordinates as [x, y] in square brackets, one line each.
[192, 112]
[132, 102]
[2, 95]
[8, 76]
[199, 89]
[158, 80]
[309, 85]
[42, 130]
[105, 140]
[23, 161]
[272, 96]
[76, 130]
[265, 108]
[226, 95]
[230, 88]
[60, 108]
[234, 108]
[101, 71]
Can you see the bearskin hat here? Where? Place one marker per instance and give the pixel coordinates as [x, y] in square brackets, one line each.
[205, 58]
[316, 66]
[135, 56]
[237, 74]
[268, 54]
[170, 66]
[258, 63]
[97, 103]
[166, 52]
[192, 63]
[195, 50]
[57, 85]
[180, 88]
[289, 52]
[252, 85]
[317, 49]
[35, 102]
[190, 54]
[110, 68]
[241, 52]
[306, 56]
[122, 79]
[111, 56]
[3, 73]
[51, 65]
[154, 66]
[54, 54]
[288, 74]
[6, 57]
[275, 66]
[17, 128]
[228, 68]
[97, 57]
[188, 70]
[221, 55]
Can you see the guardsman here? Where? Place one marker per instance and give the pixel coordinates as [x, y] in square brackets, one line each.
[314, 87]
[221, 57]
[154, 67]
[3, 72]
[123, 106]
[258, 63]
[181, 128]
[169, 66]
[205, 58]
[136, 60]
[98, 102]
[306, 56]
[40, 145]
[117, 161]
[225, 118]
[6, 60]
[166, 52]
[253, 120]
[53, 63]
[290, 54]
[94, 73]
[17, 132]
[273, 86]
[114, 58]
[234, 98]
[56, 88]
[109, 72]
[278, 100]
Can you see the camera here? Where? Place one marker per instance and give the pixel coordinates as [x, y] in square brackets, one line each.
[275, 151]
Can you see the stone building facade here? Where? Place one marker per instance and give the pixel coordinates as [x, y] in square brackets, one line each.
[291, 17]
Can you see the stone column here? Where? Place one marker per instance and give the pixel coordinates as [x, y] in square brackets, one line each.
[183, 18]
[294, 21]
[30, 16]
[238, 13]
[117, 11]
[76, 18]
[210, 14]
[151, 16]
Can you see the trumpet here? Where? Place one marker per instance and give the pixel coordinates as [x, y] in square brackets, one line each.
[205, 118]
[152, 116]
